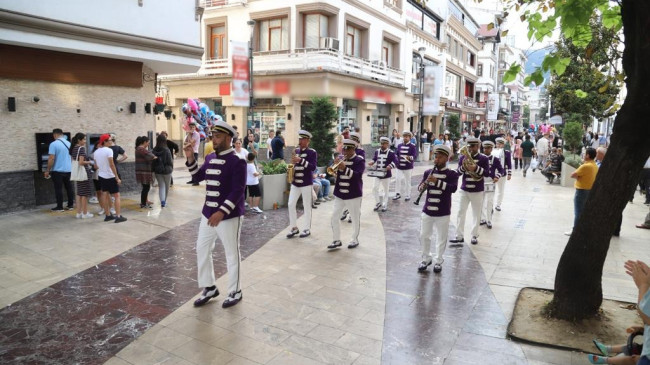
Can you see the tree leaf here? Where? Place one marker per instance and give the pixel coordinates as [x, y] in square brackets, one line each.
[511, 74]
[603, 88]
[580, 94]
[490, 26]
[504, 33]
[522, 18]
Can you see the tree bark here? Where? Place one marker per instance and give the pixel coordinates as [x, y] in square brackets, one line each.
[578, 280]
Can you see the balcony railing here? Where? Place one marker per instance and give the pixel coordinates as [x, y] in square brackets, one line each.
[215, 67]
[469, 102]
[218, 3]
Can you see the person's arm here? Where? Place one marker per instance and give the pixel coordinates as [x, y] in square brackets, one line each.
[50, 163]
[123, 154]
[112, 165]
[238, 185]
[577, 173]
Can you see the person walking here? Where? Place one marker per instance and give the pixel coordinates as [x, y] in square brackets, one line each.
[277, 145]
[193, 139]
[163, 167]
[304, 160]
[59, 167]
[527, 150]
[253, 184]
[406, 154]
[269, 149]
[109, 181]
[222, 213]
[385, 161]
[143, 175]
[84, 191]
[585, 176]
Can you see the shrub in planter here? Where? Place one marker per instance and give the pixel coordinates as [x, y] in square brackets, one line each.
[273, 167]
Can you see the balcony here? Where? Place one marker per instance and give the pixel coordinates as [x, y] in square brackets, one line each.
[215, 67]
[221, 3]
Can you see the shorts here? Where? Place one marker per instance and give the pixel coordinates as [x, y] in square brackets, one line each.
[109, 185]
[253, 190]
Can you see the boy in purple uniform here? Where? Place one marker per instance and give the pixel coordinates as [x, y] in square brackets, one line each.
[496, 171]
[406, 155]
[347, 193]
[471, 189]
[384, 159]
[225, 176]
[439, 183]
[304, 161]
[506, 160]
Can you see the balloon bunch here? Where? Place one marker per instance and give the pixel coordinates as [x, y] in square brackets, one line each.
[199, 113]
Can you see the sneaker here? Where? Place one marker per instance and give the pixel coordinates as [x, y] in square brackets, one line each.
[305, 233]
[423, 265]
[317, 202]
[93, 200]
[568, 233]
[57, 209]
[377, 206]
[109, 218]
[353, 244]
[497, 208]
[163, 204]
[384, 208]
[483, 222]
[101, 212]
[320, 200]
[257, 210]
[349, 219]
[113, 211]
[335, 244]
[69, 207]
[489, 225]
[313, 206]
[120, 219]
[407, 198]
[232, 299]
[474, 240]
[344, 215]
[87, 215]
[145, 206]
[397, 196]
[294, 231]
[79, 216]
[437, 268]
[206, 295]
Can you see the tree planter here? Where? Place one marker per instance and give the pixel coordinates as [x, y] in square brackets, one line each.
[566, 179]
[274, 190]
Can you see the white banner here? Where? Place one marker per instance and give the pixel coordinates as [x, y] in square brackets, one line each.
[431, 90]
[493, 106]
[240, 70]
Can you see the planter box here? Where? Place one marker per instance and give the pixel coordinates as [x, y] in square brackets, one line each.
[566, 179]
[275, 189]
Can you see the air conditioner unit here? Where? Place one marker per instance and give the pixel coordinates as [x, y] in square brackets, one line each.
[329, 43]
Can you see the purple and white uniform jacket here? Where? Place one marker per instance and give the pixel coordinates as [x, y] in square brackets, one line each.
[496, 170]
[438, 195]
[360, 152]
[470, 184]
[303, 171]
[225, 179]
[384, 159]
[349, 182]
[507, 163]
[404, 150]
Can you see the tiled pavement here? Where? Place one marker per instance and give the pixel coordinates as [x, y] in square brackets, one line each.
[302, 304]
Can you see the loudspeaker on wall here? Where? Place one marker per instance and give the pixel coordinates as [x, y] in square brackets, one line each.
[132, 107]
[11, 104]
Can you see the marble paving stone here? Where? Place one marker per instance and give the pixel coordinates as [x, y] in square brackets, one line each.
[198, 352]
[287, 322]
[319, 351]
[164, 338]
[237, 360]
[260, 331]
[327, 318]
[116, 361]
[197, 329]
[147, 354]
[247, 348]
[326, 334]
[290, 358]
[360, 344]
[367, 360]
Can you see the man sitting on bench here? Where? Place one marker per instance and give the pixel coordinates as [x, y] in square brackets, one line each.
[553, 166]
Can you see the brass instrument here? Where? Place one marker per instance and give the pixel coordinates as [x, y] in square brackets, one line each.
[335, 166]
[290, 169]
[469, 161]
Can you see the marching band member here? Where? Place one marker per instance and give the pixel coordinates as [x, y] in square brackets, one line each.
[384, 159]
[471, 189]
[496, 171]
[347, 193]
[406, 155]
[223, 211]
[304, 160]
[356, 137]
[506, 160]
[437, 184]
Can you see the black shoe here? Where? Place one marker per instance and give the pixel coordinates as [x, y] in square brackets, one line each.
[497, 208]
[317, 203]
[190, 182]
[377, 206]
[483, 222]
[120, 219]
[313, 206]
[293, 232]
[233, 298]
[437, 268]
[344, 215]
[195, 184]
[304, 233]
[109, 218]
[384, 209]
[206, 295]
[397, 196]
[353, 244]
[489, 225]
[474, 240]
[349, 219]
[407, 199]
[335, 244]
[69, 207]
[57, 209]
[457, 240]
[423, 266]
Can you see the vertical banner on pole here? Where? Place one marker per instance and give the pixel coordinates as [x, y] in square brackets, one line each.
[431, 90]
[493, 106]
[240, 70]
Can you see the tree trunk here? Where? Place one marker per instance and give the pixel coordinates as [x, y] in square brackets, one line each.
[578, 280]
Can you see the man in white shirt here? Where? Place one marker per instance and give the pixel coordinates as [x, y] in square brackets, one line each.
[269, 150]
[543, 148]
[109, 181]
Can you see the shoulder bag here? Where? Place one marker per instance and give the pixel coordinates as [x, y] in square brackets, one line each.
[78, 172]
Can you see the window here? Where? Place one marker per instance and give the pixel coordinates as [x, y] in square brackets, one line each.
[274, 34]
[479, 70]
[456, 49]
[316, 27]
[353, 41]
[218, 46]
[471, 59]
[390, 53]
[460, 50]
[452, 86]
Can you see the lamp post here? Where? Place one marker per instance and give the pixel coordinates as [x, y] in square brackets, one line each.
[251, 26]
[419, 124]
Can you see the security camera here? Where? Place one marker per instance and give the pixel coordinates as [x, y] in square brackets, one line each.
[120, 109]
[36, 99]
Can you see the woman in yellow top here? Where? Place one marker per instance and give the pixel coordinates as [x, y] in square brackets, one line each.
[585, 176]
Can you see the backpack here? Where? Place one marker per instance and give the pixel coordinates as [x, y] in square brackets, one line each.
[158, 165]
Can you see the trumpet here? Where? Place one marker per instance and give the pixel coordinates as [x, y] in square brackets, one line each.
[335, 166]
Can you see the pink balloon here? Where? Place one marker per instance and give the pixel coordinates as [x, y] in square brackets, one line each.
[194, 107]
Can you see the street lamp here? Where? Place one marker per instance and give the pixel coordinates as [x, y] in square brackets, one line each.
[251, 26]
[419, 124]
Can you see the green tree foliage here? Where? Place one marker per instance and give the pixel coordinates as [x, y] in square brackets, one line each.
[572, 136]
[453, 125]
[320, 122]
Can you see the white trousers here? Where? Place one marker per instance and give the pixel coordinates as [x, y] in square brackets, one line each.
[501, 188]
[228, 231]
[294, 194]
[488, 206]
[477, 200]
[354, 207]
[441, 225]
[403, 183]
[380, 190]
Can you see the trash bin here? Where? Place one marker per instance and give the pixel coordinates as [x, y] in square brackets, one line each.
[425, 151]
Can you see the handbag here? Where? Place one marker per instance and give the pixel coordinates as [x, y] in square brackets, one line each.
[78, 172]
